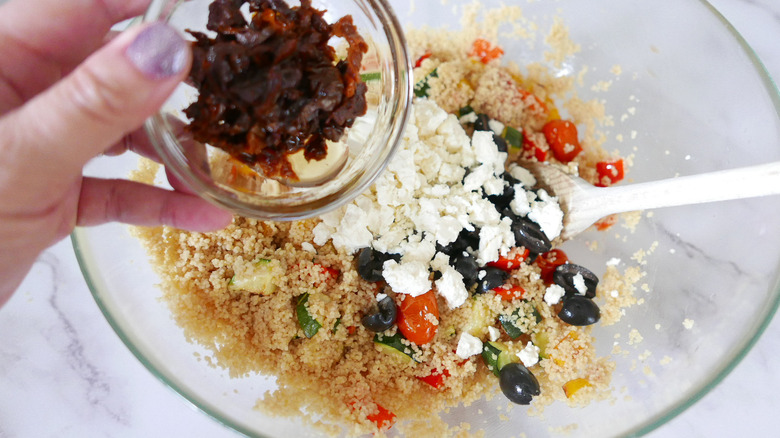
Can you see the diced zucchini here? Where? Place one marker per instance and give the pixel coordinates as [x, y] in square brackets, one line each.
[480, 318]
[509, 322]
[393, 346]
[465, 110]
[373, 76]
[257, 279]
[496, 355]
[513, 137]
[421, 87]
[336, 325]
[307, 322]
[541, 340]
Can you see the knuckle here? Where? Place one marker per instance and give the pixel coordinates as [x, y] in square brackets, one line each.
[98, 98]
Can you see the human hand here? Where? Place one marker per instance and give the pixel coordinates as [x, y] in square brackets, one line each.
[65, 99]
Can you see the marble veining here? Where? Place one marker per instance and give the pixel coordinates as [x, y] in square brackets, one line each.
[64, 373]
[97, 389]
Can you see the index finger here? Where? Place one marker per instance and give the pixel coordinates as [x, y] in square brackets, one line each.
[42, 40]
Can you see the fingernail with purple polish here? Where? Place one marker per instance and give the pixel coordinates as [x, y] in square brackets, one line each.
[158, 51]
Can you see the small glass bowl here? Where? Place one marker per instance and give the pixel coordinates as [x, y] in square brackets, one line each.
[370, 142]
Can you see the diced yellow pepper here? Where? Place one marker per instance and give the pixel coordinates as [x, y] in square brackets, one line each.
[572, 386]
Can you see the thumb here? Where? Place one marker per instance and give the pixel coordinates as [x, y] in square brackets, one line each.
[108, 95]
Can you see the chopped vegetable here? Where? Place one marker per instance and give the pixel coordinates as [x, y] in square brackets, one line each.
[481, 317]
[572, 386]
[609, 172]
[533, 150]
[549, 261]
[465, 110]
[435, 378]
[373, 76]
[418, 317]
[307, 322]
[606, 222]
[258, 279]
[513, 137]
[421, 88]
[542, 340]
[511, 261]
[485, 51]
[509, 293]
[538, 104]
[496, 355]
[383, 418]
[561, 135]
[421, 59]
[393, 346]
[510, 322]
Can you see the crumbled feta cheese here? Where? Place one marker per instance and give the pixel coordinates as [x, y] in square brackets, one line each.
[468, 118]
[468, 346]
[496, 126]
[548, 214]
[380, 296]
[425, 198]
[614, 293]
[529, 355]
[493, 333]
[306, 246]
[553, 294]
[614, 261]
[451, 287]
[579, 283]
[522, 174]
[407, 277]
[688, 323]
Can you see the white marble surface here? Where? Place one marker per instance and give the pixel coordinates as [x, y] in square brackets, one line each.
[64, 373]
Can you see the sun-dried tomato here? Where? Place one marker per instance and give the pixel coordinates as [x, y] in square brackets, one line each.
[272, 86]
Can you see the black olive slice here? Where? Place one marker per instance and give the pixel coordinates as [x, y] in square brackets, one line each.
[491, 279]
[518, 384]
[530, 235]
[578, 310]
[370, 263]
[382, 320]
[564, 277]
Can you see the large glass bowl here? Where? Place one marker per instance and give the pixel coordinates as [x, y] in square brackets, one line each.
[690, 97]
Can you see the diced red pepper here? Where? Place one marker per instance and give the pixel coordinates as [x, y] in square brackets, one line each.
[562, 137]
[351, 329]
[330, 272]
[485, 51]
[383, 418]
[511, 261]
[421, 59]
[435, 378]
[509, 293]
[605, 223]
[548, 261]
[531, 149]
[539, 105]
[609, 172]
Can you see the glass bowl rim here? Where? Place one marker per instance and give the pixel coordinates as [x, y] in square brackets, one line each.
[649, 425]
